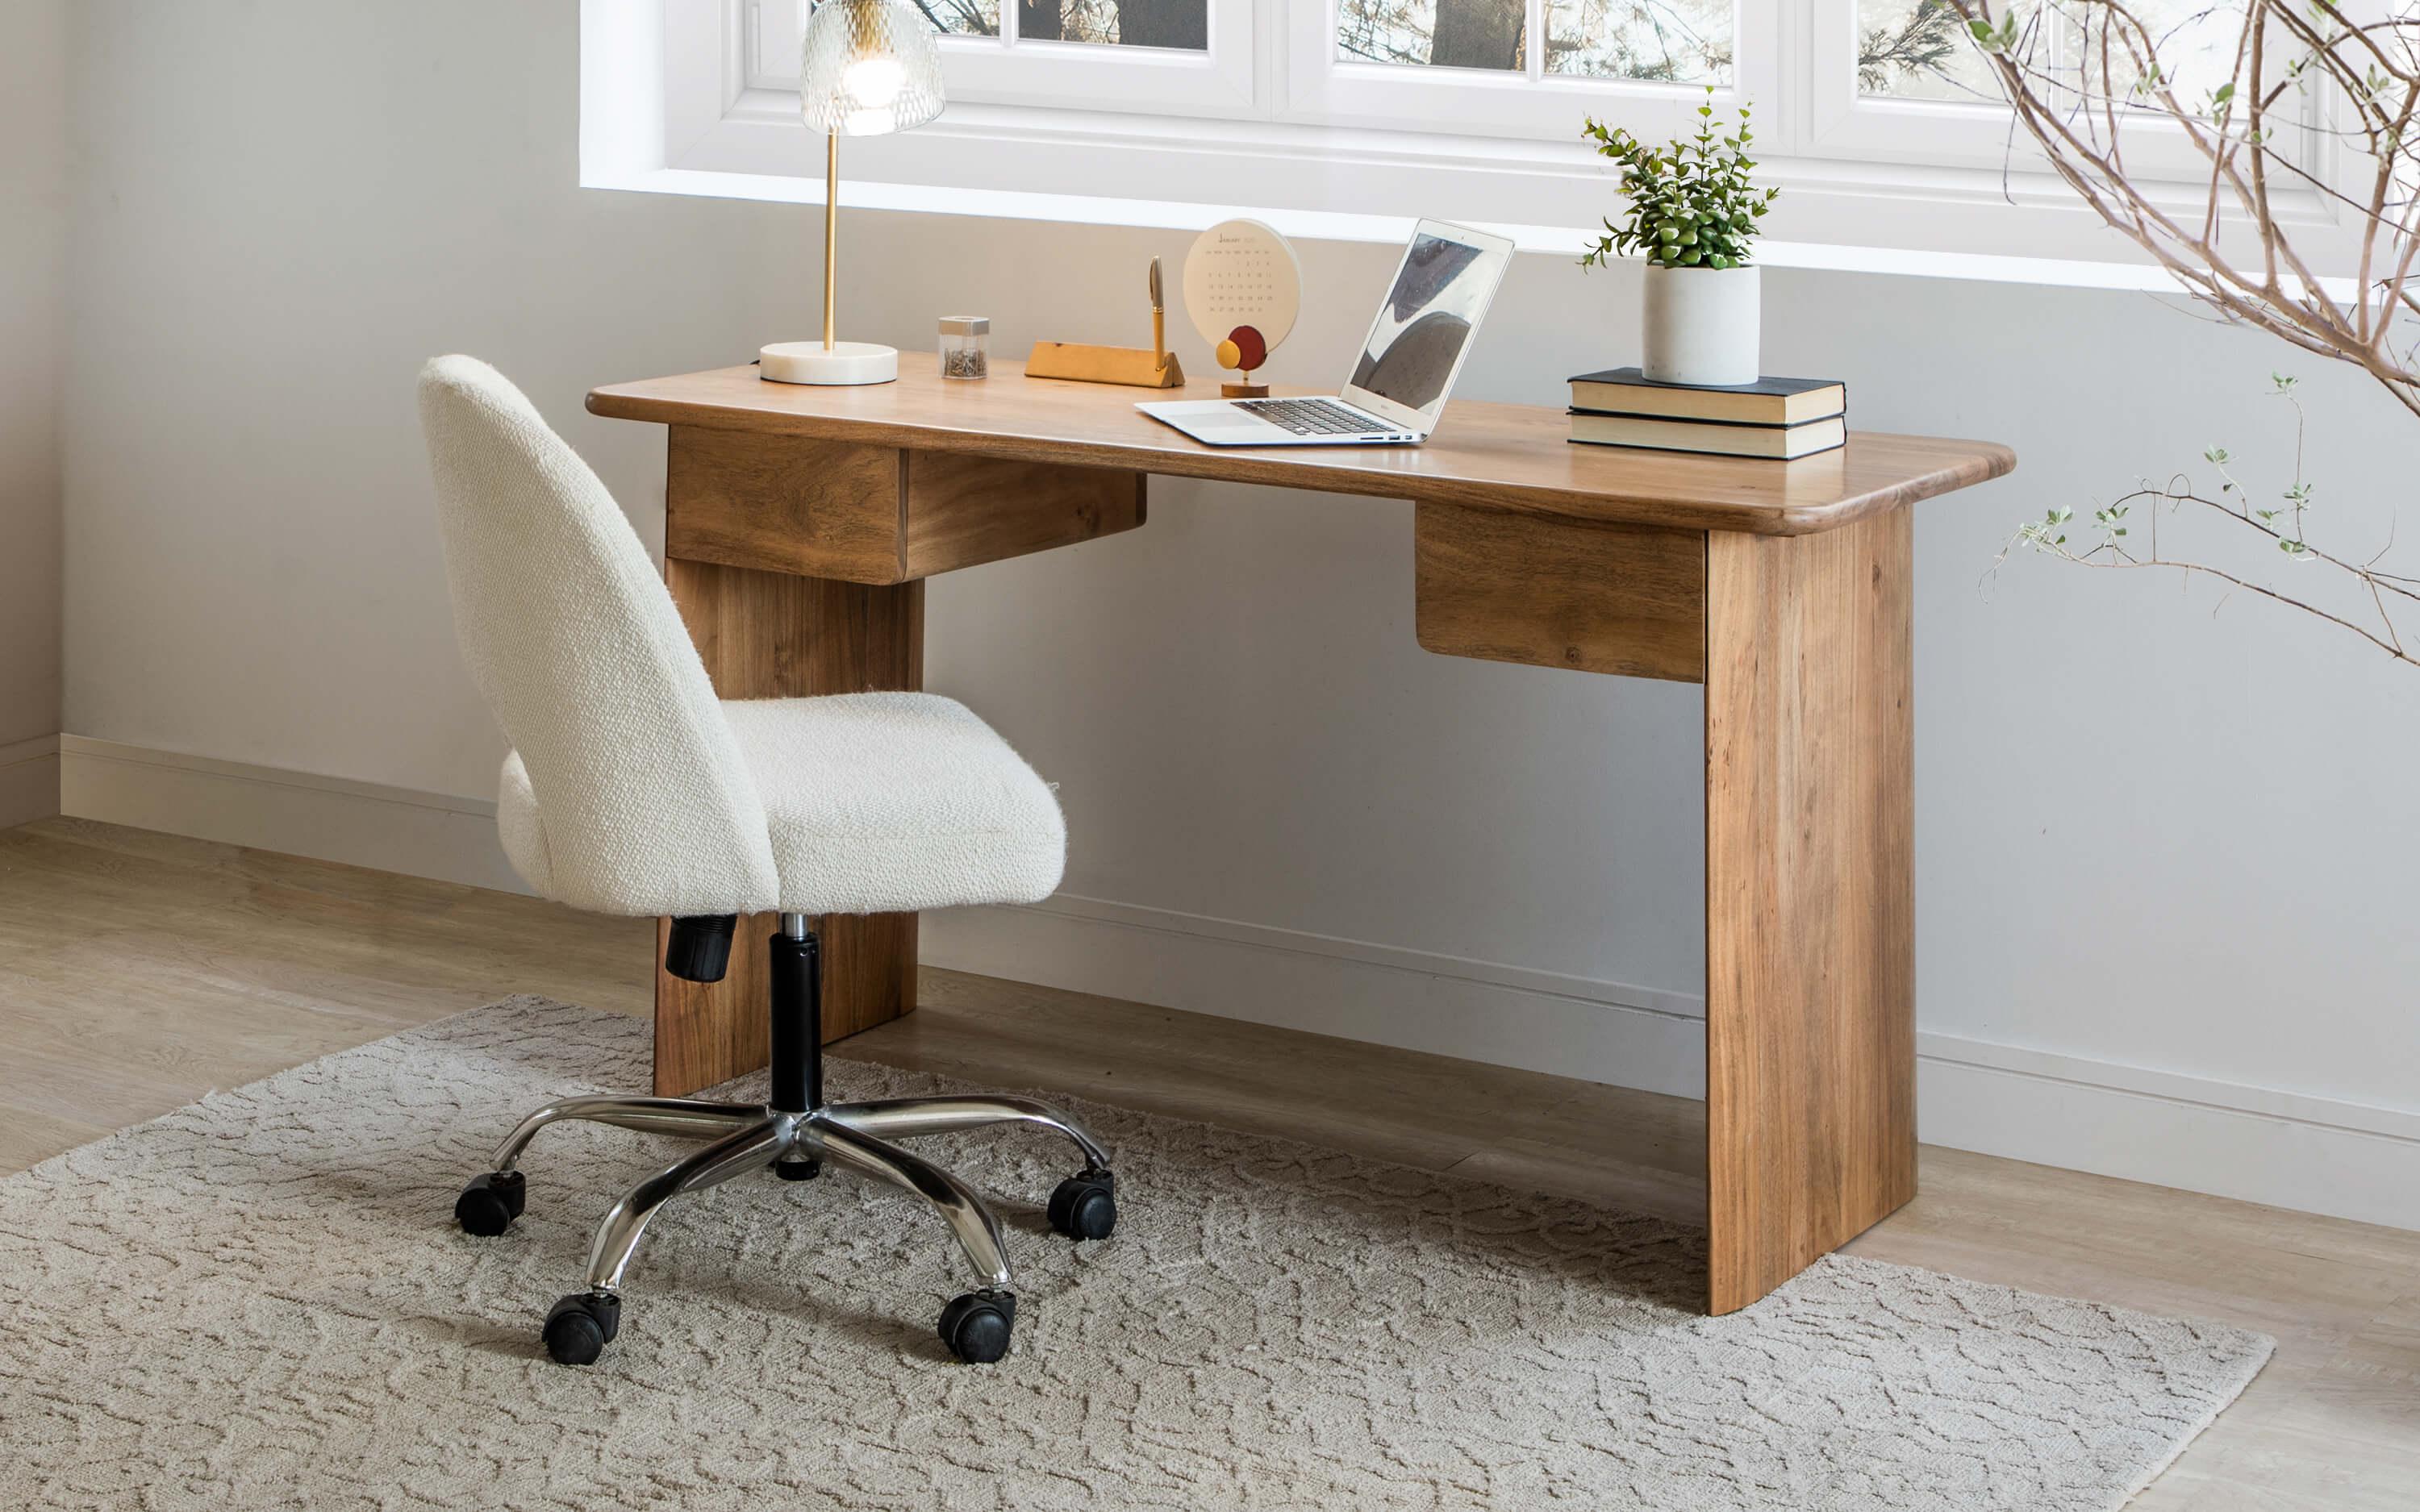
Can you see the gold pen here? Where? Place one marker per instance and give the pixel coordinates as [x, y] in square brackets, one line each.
[1159, 323]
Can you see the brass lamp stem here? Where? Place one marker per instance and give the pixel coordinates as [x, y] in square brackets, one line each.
[831, 228]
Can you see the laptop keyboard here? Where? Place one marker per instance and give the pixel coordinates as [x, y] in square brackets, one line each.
[1311, 417]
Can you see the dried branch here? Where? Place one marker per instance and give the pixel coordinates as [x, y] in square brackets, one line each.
[2082, 76]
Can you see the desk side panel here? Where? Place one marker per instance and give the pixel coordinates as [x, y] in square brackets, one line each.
[1811, 940]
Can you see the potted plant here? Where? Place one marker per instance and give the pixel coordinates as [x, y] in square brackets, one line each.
[1693, 216]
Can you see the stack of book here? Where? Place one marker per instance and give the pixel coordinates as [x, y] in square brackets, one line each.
[1774, 417]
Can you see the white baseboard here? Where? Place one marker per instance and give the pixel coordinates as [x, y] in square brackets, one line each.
[2260, 1144]
[29, 781]
[299, 813]
[1477, 1009]
[2346, 1160]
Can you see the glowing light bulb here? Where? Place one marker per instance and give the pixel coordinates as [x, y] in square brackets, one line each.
[874, 82]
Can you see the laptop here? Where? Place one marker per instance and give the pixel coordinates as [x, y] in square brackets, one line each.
[1407, 367]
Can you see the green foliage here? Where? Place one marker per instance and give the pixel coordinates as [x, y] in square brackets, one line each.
[1990, 39]
[1691, 202]
[2048, 533]
[2283, 524]
[1923, 43]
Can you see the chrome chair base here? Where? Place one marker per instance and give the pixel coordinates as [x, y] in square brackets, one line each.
[796, 1144]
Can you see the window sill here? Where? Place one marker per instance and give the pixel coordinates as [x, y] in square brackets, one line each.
[1318, 182]
[1330, 226]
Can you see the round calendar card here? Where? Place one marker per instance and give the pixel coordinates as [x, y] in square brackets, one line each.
[1242, 274]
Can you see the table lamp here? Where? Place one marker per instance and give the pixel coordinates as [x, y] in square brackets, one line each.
[867, 68]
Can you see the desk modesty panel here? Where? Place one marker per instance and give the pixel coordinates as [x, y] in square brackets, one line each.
[801, 522]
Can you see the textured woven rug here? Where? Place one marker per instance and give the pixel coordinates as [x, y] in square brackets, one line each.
[259, 1301]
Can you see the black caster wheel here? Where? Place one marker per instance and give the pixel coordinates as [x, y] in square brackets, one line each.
[798, 1171]
[491, 1203]
[976, 1326]
[1086, 1206]
[581, 1325]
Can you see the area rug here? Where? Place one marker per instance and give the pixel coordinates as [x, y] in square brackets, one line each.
[260, 1301]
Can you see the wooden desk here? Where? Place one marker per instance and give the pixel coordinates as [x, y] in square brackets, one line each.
[801, 522]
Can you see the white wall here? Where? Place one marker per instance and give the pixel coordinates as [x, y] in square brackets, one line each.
[2165, 892]
[32, 278]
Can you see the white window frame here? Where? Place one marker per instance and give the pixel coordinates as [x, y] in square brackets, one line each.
[1270, 123]
[1528, 104]
[1010, 70]
[1839, 122]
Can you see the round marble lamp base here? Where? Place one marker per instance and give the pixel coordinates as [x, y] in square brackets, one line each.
[843, 361]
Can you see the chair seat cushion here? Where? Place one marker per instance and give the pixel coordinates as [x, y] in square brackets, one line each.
[876, 803]
[885, 803]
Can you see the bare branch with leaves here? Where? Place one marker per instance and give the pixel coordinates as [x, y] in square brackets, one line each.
[2085, 79]
[2379, 595]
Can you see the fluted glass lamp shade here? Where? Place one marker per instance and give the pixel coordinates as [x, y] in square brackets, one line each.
[868, 68]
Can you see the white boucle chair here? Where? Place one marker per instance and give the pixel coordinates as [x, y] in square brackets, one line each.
[631, 788]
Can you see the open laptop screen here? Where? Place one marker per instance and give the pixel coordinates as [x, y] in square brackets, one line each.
[1417, 342]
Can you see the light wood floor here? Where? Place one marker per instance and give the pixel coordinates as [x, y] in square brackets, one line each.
[138, 971]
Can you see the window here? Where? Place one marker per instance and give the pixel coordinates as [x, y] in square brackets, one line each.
[1663, 41]
[1916, 50]
[1154, 55]
[1180, 24]
[1349, 118]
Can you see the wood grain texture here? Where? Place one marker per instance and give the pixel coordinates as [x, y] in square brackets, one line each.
[1811, 939]
[964, 510]
[1501, 457]
[865, 514]
[775, 634]
[819, 509]
[1629, 600]
[1138, 368]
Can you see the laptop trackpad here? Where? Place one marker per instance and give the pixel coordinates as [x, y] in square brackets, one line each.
[1214, 421]
[1219, 435]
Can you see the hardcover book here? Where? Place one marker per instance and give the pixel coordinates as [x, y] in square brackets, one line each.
[1771, 401]
[1722, 437]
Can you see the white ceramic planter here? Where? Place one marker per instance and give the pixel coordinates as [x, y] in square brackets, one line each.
[1701, 324]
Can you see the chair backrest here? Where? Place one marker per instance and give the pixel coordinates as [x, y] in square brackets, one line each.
[643, 800]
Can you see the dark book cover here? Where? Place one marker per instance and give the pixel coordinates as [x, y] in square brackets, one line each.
[1768, 401]
[1779, 388]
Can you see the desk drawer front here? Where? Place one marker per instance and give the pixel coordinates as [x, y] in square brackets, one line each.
[1628, 600]
[876, 513]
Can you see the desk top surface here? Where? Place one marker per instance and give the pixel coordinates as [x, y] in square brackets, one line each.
[1493, 455]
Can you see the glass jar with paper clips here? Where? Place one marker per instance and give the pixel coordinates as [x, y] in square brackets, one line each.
[966, 346]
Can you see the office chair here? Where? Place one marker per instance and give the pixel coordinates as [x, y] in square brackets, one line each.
[631, 788]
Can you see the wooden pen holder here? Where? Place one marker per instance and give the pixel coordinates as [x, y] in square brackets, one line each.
[1135, 366]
